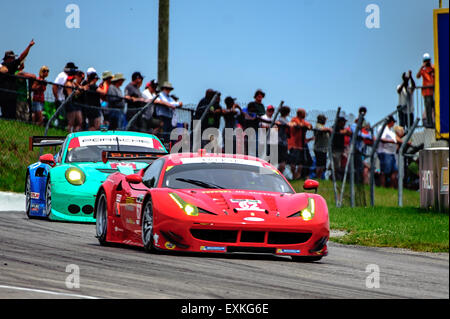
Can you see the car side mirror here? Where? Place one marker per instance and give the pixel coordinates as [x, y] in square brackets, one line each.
[134, 179]
[151, 182]
[47, 159]
[311, 184]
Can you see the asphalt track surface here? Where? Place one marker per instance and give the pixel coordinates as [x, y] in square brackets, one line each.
[34, 255]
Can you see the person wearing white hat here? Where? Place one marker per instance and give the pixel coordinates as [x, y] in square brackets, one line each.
[426, 72]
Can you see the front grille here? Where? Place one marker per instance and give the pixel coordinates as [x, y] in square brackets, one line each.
[256, 250]
[283, 238]
[221, 236]
[252, 236]
[231, 236]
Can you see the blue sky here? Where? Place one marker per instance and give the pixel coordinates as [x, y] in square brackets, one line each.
[310, 53]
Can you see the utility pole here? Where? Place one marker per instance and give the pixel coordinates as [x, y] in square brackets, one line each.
[163, 41]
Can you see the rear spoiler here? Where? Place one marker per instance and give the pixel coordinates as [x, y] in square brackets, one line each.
[44, 141]
[130, 156]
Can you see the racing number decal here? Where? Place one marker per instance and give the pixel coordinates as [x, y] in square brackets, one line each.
[248, 204]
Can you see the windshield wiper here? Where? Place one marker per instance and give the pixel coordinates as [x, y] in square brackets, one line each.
[199, 183]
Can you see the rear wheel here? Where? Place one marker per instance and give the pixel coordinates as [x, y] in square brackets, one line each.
[306, 259]
[101, 220]
[48, 198]
[147, 226]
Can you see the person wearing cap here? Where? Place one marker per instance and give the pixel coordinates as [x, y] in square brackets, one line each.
[265, 123]
[9, 68]
[321, 137]
[116, 100]
[359, 146]
[426, 72]
[38, 88]
[135, 100]
[297, 143]
[165, 106]
[386, 153]
[90, 71]
[104, 86]
[231, 113]
[73, 109]
[58, 88]
[149, 122]
[282, 125]
[338, 146]
[92, 98]
[406, 99]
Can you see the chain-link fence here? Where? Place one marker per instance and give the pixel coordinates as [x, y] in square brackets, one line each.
[349, 189]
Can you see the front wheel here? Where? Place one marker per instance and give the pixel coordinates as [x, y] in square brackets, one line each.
[48, 198]
[147, 226]
[101, 220]
[28, 196]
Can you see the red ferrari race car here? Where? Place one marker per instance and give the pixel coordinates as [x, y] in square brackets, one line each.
[217, 203]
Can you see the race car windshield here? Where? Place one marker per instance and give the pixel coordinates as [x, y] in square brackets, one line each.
[226, 176]
[93, 153]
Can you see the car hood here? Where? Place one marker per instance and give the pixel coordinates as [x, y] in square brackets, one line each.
[105, 169]
[245, 202]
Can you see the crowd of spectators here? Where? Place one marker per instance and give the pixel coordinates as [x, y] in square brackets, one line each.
[101, 101]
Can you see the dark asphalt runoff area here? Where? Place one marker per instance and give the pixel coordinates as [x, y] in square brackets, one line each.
[40, 259]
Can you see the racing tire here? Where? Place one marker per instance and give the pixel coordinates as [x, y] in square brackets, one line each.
[306, 259]
[28, 196]
[147, 226]
[101, 220]
[48, 199]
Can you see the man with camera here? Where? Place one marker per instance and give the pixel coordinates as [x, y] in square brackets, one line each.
[426, 72]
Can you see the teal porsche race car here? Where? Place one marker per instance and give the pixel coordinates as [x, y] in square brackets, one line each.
[62, 187]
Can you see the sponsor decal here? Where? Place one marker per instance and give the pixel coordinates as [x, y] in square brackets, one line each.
[212, 248]
[288, 251]
[35, 207]
[140, 199]
[34, 195]
[118, 198]
[130, 200]
[254, 219]
[155, 239]
[130, 221]
[169, 245]
[118, 229]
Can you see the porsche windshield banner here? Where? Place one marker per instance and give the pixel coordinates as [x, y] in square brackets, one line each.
[139, 141]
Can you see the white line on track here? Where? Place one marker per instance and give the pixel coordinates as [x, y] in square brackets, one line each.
[47, 292]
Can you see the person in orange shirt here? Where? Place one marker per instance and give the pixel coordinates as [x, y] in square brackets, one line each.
[426, 72]
[297, 143]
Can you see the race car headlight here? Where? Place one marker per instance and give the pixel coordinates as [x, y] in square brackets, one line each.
[188, 209]
[308, 212]
[75, 176]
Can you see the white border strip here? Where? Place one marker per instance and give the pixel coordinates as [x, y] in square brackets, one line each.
[47, 292]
